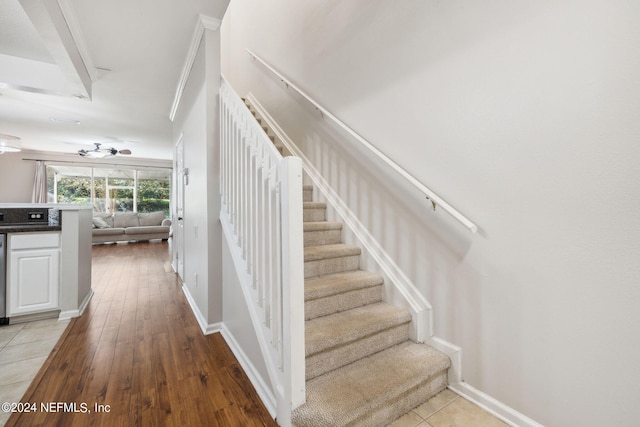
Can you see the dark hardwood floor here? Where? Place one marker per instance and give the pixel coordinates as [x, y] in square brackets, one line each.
[138, 358]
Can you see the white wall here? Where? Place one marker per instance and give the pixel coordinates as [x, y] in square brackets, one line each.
[196, 121]
[240, 334]
[75, 261]
[16, 178]
[523, 115]
[214, 229]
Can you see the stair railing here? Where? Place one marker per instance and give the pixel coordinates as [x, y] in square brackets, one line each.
[261, 194]
[429, 194]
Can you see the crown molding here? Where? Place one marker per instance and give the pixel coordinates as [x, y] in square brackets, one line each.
[204, 23]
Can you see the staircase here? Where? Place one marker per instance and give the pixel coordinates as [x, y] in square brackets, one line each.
[361, 367]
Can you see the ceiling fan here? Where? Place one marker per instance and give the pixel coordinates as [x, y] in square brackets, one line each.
[99, 153]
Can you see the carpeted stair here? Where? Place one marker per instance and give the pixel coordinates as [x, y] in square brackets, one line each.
[361, 367]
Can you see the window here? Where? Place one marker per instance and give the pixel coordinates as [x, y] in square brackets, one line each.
[111, 190]
[154, 191]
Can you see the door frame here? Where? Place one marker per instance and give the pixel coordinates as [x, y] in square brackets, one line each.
[178, 222]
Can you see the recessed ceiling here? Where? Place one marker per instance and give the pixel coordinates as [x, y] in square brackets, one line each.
[113, 66]
[18, 36]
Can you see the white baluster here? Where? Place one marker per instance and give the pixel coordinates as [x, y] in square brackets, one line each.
[261, 195]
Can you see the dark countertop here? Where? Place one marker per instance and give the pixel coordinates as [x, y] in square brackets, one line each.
[35, 218]
[25, 228]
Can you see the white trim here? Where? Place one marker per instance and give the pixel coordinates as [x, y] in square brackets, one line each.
[493, 406]
[206, 328]
[70, 314]
[204, 23]
[262, 388]
[85, 302]
[454, 352]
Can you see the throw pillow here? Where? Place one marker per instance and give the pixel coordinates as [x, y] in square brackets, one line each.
[107, 217]
[100, 223]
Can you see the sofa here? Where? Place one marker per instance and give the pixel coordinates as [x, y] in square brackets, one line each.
[127, 226]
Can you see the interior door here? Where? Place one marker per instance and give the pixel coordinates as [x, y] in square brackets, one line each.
[178, 229]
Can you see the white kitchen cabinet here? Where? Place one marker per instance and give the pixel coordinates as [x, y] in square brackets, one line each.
[33, 272]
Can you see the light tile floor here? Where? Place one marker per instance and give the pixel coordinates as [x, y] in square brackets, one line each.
[447, 409]
[23, 349]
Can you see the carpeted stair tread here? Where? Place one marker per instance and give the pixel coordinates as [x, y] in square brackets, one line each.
[316, 253]
[333, 293]
[314, 205]
[333, 284]
[339, 329]
[374, 390]
[322, 225]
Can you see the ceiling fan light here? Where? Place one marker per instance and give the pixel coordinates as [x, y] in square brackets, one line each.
[100, 153]
[9, 144]
[97, 154]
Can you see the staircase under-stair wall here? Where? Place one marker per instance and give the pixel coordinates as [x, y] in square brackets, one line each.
[362, 368]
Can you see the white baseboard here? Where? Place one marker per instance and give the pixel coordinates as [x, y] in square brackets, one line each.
[70, 314]
[33, 317]
[85, 302]
[493, 406]
[483, 400]
[455, 355]
[263, 390]
[206, 328]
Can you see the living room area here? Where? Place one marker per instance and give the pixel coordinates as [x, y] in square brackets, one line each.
[103, 126]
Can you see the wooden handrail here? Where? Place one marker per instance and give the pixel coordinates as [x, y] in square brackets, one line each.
[430, 195]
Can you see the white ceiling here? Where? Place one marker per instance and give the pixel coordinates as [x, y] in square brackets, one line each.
[113, 66]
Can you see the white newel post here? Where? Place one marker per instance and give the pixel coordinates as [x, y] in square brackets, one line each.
[293, 278]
